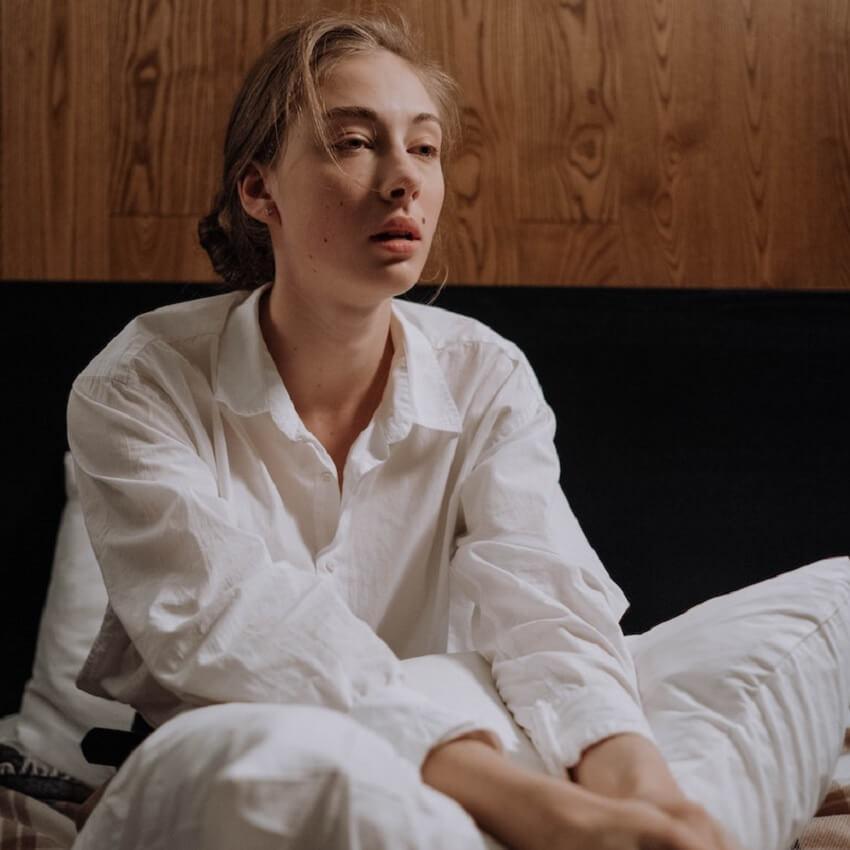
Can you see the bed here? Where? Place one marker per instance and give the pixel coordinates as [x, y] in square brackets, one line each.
[702, 436]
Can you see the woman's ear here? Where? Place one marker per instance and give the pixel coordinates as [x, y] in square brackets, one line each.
[255, 198]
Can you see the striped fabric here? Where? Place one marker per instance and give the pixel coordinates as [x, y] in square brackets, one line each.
[29, 824]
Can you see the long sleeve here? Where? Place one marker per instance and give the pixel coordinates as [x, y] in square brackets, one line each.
[208, 615]
[545, 611]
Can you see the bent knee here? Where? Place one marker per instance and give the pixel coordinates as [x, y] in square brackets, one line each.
[265, 740]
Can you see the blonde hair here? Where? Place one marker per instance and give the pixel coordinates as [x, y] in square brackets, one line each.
[283, 83]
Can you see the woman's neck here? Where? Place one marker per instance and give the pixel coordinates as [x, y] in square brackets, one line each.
[334, 360]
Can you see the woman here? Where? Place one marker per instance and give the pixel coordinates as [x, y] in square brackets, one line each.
[290, 486]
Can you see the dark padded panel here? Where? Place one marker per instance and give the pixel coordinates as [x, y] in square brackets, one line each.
[703, 434]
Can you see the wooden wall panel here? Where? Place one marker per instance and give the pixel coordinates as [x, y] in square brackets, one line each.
[54, 163]
[157, 247]
[567, 138]
[475, 43]
[607, 142]
[671, 92]
[174, 75]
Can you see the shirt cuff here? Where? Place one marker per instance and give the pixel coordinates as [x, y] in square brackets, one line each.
[561, 742]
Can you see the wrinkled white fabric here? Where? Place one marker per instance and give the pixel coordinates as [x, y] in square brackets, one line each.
[271, 777]
[747, 695]
[238, 572]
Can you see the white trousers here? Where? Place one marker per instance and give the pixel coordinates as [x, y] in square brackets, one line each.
[747, 696]
[265, 776]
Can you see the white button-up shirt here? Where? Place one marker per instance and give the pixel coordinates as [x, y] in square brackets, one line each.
[238, 572]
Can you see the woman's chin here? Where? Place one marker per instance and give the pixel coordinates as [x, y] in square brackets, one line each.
[396, 278]
[376, 289]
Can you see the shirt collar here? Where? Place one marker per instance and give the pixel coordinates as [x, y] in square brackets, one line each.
[247, 379]
[248, 382]
[420, 390]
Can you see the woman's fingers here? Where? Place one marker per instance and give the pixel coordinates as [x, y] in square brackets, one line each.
[574, 818]
[696, 818]
[664, 832]
[636, 825]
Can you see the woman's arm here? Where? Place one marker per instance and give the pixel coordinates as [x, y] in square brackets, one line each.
[546, 614]
[627, 766]
[544, 610]
[207, 614]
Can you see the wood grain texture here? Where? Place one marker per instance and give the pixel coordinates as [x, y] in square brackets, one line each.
[161, 111]
[587, 253]
[54, 161]
[473, 44]
[812, 236]
[757, 81]
[567, 138]
[163, 248]
[89, 113]
[664, 139]
[669, 143]
[2, 136]
[25, 189]
[839, 71]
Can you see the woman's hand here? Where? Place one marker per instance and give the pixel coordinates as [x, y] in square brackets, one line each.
[530, 811]
[585, 820]
[698, 820]
[630, 767]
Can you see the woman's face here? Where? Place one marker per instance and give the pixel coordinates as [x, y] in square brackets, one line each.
[382, 125]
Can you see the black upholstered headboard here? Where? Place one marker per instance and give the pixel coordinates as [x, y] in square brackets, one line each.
[703, 435]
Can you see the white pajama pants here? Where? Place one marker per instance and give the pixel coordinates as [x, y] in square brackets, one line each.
[747, 696]
[266, 776]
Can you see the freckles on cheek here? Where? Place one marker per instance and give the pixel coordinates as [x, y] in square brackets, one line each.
[322, 228]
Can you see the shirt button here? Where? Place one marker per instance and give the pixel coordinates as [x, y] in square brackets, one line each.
[330, 566]
[327, 476]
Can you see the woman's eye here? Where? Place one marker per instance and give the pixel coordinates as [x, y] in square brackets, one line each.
[353, 143]
[356, 143]
[428, 151]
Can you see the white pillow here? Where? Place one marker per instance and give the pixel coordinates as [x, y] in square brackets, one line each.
[747, 695]
[55, 714]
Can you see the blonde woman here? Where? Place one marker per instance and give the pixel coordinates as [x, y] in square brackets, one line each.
[291, 486]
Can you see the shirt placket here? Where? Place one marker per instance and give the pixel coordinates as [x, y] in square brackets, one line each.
[327, 505]
[334, 509]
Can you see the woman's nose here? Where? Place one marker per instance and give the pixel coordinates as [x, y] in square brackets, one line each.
[400, 181]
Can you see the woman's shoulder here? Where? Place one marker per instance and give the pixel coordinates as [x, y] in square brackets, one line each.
[180, 331]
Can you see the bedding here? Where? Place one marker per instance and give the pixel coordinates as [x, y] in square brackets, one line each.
[55, 714]
[29, 824]
[747, 695]
[797, 622]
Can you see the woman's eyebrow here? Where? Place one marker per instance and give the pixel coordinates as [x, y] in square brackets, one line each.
[363, 112]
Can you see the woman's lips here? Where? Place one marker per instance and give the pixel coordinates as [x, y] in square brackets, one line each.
[400, 246]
